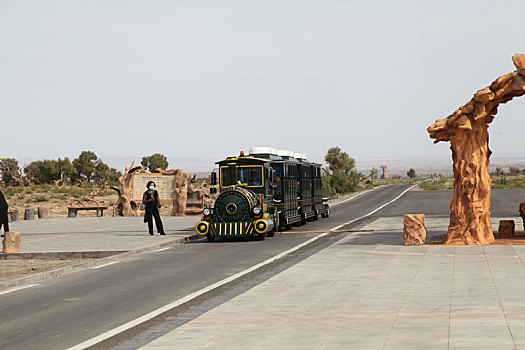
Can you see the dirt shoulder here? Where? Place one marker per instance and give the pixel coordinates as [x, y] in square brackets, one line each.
[13, 269]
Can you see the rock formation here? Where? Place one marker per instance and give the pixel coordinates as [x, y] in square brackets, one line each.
[414, 231]
[467, 131]
[11, 242]
[384, 176]
[125, 205]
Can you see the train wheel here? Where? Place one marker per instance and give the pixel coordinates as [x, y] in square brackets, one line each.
[271, 233]
[287, 227]
[210, 238]
[261, 237]
[327, 215]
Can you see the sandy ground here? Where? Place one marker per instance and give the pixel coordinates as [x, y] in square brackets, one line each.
[13, 269]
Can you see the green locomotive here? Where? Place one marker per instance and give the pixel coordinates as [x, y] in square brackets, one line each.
[261, 193]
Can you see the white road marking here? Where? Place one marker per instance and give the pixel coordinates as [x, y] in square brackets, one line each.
[211, 287]
[355, 196]
[111, 263]
[17, 288]
[375, 210]
[161, 250]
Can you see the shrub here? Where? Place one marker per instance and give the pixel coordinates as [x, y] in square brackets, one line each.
[41, 199]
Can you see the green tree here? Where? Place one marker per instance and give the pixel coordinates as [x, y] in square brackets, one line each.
[339, 161]
[42, 171]
[8, 168]
[66, 167]
[500, 172]
[85, 165]
[154, 162]
[411, 173]
[49, 171]
[341, 176]
[514, 171]
[104, 173]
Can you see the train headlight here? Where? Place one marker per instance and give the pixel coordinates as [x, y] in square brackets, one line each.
[257, 210]
[202, 228]
[206, 212]
[261, 226]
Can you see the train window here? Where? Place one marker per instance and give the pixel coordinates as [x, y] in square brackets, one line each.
[251, 176]
[278, 181]
[225, 178]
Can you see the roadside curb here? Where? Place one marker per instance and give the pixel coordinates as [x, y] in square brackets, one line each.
[94, 254]
[93, 263]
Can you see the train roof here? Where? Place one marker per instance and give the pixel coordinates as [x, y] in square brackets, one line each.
[265, 154]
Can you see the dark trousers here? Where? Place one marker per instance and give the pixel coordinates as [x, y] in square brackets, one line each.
[153, 211]
[3, 219]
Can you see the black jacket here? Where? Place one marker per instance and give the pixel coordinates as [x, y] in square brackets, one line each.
[3, 203]
[147, 196]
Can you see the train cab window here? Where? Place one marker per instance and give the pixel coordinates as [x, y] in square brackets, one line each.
[225, 177]
[251, 176]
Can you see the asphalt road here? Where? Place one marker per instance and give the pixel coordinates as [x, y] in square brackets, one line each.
[68, 310]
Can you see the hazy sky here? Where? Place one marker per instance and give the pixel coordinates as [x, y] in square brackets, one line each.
[208, 78]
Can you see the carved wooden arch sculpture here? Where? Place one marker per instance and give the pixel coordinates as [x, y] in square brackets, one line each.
[467, 131]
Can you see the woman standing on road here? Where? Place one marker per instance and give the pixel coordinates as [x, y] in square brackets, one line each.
[152, 202]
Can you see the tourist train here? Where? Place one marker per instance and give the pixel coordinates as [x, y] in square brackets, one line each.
[261, 193]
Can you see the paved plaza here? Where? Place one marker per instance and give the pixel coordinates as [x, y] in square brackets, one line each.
[368, 291]
[97, 234]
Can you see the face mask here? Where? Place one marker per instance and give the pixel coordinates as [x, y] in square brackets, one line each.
[152, 187]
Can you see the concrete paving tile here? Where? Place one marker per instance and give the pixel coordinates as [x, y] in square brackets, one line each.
[409, 342]
[420, 288]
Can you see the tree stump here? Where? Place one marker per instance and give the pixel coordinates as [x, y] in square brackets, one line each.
[506, 228]
[414, 232]
[11, 242]
[43, 212]
[13, 216]
[29, 214]
[522, 213]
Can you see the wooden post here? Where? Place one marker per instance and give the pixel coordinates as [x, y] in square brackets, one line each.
[506, 228]
[43, 212]
[13, 215]
[29, 214]
[522, 213]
